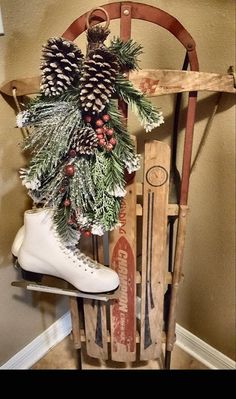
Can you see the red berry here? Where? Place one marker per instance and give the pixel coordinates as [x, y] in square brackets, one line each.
[72, 153]
[128, 176]
[69, 170]
[99, 123]
[112, 141]
[66, 202]
[101, 142]
[106, 118]
[62, 189]
[86, 233]
[100, 136]
[87, 118]
[109, 147]
[99, 130]
[109, 132]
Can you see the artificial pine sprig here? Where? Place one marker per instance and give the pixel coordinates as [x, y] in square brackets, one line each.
[126, 53]
[148, 115]
[69, 234]
[80, 146]
[82, 189]
[125, 149]
[50, 145]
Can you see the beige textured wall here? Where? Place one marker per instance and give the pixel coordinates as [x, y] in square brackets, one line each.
[206, 305]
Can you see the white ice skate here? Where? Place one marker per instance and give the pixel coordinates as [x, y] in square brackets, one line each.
[17, 242]
[41, 252]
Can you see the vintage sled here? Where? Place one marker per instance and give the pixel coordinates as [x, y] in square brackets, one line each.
[143, 312]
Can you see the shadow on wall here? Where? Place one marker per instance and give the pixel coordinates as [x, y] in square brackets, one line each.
[204, 109]
[44, 302]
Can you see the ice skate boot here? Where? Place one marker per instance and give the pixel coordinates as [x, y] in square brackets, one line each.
[17, 242]
[43, 253]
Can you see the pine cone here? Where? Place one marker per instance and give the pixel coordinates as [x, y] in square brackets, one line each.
[61, 66]
[86, 141]
[97, 81]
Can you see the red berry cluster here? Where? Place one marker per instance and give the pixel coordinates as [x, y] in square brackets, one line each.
[72, 222]
[103, 132]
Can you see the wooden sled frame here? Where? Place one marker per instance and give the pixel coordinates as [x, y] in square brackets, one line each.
[123, 340]
[152, 82]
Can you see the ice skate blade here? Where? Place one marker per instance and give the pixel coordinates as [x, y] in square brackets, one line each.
[32, 286]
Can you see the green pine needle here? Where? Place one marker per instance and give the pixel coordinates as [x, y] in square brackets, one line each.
[68, 234]
[126, 53]
[148, 115]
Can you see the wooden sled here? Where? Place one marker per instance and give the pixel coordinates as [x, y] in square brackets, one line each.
[144, 313]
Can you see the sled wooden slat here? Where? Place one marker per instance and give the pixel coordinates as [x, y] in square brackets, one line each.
[168, 278]
[95, 317]
[139, 188]
[75, 322]
[95, 327]
[23, 87]
[122, 253]
[155, 213]
[152, 82]
[137, 338]
[173, 210]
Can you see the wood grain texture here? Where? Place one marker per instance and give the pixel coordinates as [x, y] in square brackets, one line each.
[95, 327]
[122, 248]
[24, 86]
[173, 210]
[75, 322]
[95, 316]
[177, 275]
[152, 82]
[155, 214]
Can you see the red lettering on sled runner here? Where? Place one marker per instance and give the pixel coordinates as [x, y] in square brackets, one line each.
[123, 311]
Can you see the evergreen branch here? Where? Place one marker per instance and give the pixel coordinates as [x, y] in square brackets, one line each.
[82, 190]
[148, 115]
[56, 143]
[126, 53]
[47, 118]
[108, 172]
[117, 122]
[68, 234]
[71, 95]
[106, 212]
[115, 173]
[124, 150]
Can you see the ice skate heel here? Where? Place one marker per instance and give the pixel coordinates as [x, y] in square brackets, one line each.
[31, 276]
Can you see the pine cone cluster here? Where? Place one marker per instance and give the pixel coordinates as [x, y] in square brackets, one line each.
[86, 141]
[61, 66]
[97, 81]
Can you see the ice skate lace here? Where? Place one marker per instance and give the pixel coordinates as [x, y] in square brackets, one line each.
[87, 260]
[79, 258]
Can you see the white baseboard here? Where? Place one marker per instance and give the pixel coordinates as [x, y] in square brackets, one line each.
[201, 351]
[36, 349]
[191, 344]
